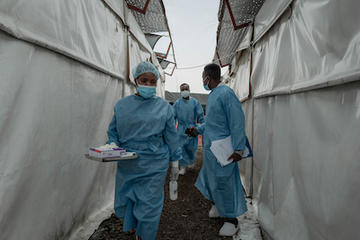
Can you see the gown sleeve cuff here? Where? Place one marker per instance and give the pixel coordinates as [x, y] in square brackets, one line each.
[174, 164]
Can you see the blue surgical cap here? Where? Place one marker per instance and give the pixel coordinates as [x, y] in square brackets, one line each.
[145, 67]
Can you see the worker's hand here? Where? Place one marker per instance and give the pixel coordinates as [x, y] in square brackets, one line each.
[174, 171]
[194, 132]
[188, 131]
[235, 157]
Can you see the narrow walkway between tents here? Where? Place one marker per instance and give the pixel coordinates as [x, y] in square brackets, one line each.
[185, 218]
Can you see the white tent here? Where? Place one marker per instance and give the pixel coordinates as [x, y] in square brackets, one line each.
[63, 65]
[297, 72]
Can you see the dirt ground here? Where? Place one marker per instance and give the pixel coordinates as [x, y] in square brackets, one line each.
[185, 218]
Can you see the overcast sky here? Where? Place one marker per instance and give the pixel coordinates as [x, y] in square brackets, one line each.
[193, 25]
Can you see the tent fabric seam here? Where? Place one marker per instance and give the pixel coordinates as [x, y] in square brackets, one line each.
[309, 86]
[108, 4]
[22, 35]
[261, 35]
[149, 50]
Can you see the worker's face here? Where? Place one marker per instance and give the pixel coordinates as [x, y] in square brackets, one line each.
[205, 79]
[147, 79]
[184, 88]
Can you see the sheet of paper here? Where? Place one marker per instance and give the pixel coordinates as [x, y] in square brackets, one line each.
[222, 149]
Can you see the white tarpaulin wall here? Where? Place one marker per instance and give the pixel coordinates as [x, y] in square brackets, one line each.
[239, 80]
[317, 45]
[63, 65]
[307, 162]
[304, 114]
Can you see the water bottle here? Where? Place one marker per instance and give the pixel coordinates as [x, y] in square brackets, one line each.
[173, 190]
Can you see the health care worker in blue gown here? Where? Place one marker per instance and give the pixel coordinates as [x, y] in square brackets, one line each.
[145, 124]
[188, 111]
[222, 185]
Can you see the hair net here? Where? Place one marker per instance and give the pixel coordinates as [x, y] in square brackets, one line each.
[145, 67]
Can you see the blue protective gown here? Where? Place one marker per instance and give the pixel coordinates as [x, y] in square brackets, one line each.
[186, 113]
[147, 127]
[222, 185]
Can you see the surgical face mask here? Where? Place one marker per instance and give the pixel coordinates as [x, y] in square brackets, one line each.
[206, 86]
[146, 91]
[185, 94]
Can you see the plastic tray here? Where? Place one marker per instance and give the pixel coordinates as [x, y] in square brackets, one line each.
[129, 155]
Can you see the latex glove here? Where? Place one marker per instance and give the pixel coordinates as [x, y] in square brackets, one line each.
[113, 145]
[108, 146]
[174, 171]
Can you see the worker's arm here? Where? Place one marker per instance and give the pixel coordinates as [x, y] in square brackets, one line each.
[199, 113]
[112, 132]
[200, 129]
[171, 139]
[195, 131]
[170, 135]
[174, 107]
[236, 123]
